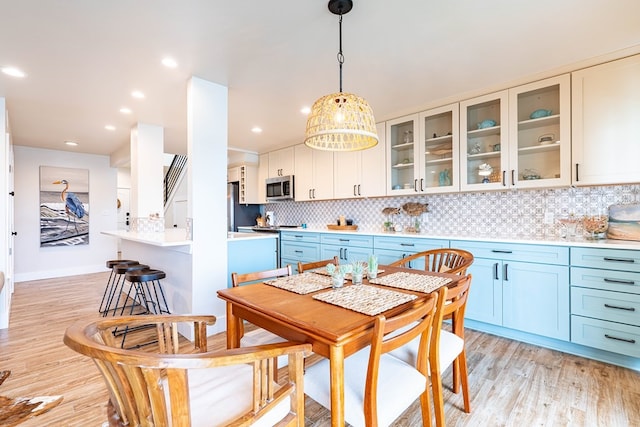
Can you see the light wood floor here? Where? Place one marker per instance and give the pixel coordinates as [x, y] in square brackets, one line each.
[512, 384]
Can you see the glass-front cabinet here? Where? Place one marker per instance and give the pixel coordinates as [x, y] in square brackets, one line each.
[439, 150]
[484, 150]
[401, 155]
[423, 152]
[517, 138]
[540, 133]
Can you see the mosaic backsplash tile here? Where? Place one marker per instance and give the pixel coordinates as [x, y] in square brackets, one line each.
[528, 214]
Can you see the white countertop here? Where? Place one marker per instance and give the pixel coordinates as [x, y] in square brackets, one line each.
[556, 241]
[169, 237]
[231, 236]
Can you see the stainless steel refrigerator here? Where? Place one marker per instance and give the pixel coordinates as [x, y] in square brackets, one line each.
[239, 214]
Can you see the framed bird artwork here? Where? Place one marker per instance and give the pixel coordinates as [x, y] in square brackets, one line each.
[64, 206]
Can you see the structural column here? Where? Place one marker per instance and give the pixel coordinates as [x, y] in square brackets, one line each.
[207, 170]
[147, 204]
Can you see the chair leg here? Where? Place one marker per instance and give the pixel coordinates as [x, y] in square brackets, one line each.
[464, 380]
[425, 406]
[438, 398]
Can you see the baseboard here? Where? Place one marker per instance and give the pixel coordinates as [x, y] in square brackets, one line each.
[52, 274]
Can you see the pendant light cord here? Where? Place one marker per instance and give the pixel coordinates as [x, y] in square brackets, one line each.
[340, 55]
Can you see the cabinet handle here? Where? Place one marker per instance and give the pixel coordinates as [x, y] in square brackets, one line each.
[354, 190]
[611, 337]
[346, 255]
[359, 194]
[513, 177]
[298, 236]
[415, 185]
[407, 244]
[504, 178]
[421, 184]
[340, 256]
[628, 260]
[506, 272]
[501, 251]
[310, 193]
[577, 177]
[298, 251]
[620, 308]
[344, 240]
[495, 271]
[623, 282]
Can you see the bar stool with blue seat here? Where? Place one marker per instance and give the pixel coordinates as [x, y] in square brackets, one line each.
[113, 280]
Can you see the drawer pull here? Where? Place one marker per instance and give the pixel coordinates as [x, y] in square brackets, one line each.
[407, 244]
[624, 282]
[620, 308]
[298, 251]
[298, 236]
[611, 337]
[627, 260]
[344, 240]
[498, 251]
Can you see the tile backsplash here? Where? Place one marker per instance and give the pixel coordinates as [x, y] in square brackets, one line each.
[514, 213]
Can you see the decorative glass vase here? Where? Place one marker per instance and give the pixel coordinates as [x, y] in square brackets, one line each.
[337, 281]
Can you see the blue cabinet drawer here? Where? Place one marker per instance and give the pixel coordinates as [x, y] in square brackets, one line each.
[299, 237]
[356, 240]
[610, 336]
[305, 252]
[610, 259]
[408, 244]
[606, 305]
[541, 254]
[610, 280]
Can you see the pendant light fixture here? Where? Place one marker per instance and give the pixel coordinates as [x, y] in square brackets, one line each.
[341, 121]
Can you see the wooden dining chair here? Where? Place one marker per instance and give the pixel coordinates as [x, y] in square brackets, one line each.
[446, 348]
[180, 383]
[317, 264]
[444, 260]
[378, 388]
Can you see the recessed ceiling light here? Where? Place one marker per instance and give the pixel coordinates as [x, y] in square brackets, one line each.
[125, 110]
[71, 143]
[137, 94]
[110, 127]
[305, 110]
[13, 72]
[256, 129]
[169, 62]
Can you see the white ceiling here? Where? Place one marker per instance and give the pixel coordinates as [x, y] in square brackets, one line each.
[84, 57]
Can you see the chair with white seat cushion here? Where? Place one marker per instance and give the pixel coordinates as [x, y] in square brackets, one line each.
[180, 383]
[378, 388]
[446, 348]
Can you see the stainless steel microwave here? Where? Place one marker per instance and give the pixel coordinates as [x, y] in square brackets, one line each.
[280, 188]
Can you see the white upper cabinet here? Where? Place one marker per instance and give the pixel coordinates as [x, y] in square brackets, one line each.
[484, 149]
[402, 172]
[281, 162]
[517, 138]
[314, 177]
[606, 123]
[540, 133]
[361, 173]
[438, 151]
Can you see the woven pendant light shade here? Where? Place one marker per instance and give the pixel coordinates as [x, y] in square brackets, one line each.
[341, 122]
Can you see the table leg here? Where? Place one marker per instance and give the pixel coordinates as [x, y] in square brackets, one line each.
[336, 363]
[233, 328]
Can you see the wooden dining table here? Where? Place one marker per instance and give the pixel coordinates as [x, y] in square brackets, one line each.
[334, 332]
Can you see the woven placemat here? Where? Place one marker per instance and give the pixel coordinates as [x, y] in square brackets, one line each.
[411, 281]
[365, 299]
[302, 284]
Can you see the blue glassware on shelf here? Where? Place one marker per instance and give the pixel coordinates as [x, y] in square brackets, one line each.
[486, 124]
[540, 113]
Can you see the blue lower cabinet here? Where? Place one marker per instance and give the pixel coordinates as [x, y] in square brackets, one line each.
[249, 255]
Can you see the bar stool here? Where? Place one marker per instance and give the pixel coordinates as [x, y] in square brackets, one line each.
[111, 282]
[149, 291]
[114, 304]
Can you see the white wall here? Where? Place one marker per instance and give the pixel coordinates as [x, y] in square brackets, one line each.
[33, 262]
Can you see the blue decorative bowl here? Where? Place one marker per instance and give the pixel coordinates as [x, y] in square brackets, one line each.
[486, 124]
[540, 113]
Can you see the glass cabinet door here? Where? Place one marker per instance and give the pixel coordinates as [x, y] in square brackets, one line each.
[401, 173]
[483, 142]
[540, 134]
[439, 150]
